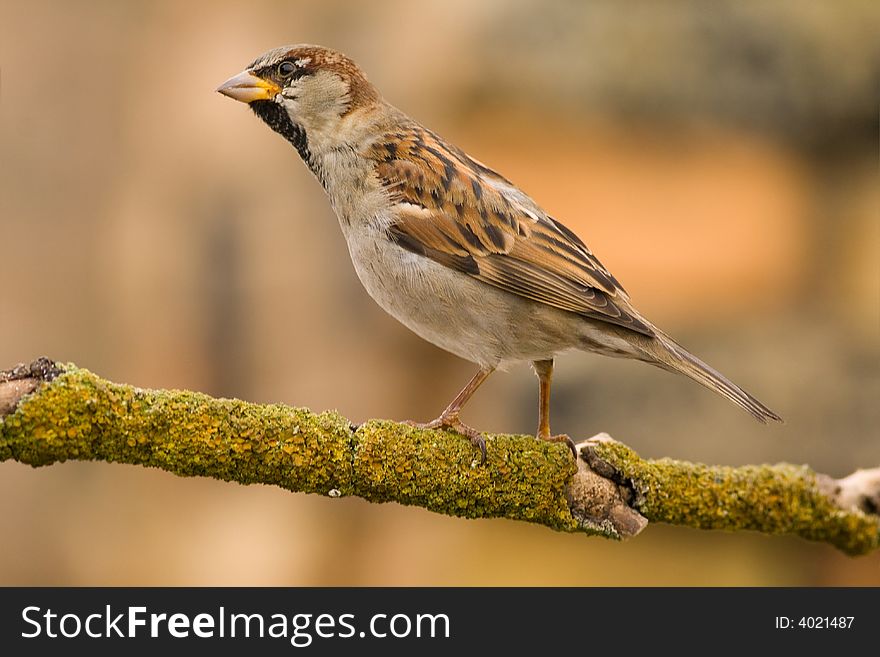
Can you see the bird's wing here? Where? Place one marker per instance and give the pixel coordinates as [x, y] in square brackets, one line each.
[461, 214]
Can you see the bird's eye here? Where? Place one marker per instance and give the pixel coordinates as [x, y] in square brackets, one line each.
[286, 69]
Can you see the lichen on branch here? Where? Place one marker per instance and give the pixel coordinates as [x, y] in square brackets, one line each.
[80, 416]
[773, 499]
[51, 414]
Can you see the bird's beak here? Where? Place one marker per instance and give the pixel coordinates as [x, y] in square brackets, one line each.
[247, 87]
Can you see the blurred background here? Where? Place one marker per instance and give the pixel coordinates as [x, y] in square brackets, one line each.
[720, 159]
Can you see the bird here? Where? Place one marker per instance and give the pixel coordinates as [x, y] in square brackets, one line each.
[449, 247]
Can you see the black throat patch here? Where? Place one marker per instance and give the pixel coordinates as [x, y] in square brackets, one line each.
[275, 116]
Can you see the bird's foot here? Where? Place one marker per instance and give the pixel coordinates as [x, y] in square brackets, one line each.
[452, 423]
[561, 438]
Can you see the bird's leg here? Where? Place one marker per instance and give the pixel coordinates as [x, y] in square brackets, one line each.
[449, 418]
[544, 370]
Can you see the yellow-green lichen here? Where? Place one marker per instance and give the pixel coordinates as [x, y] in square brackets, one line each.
[81, 416]
[774, 499]
[522, 478]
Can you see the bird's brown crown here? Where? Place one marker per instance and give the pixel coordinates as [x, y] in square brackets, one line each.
[309, 60]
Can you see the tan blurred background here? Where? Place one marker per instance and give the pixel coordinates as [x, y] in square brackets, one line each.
[721, 161]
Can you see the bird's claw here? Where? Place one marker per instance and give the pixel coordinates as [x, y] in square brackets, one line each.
[456, 425]
[561, 438]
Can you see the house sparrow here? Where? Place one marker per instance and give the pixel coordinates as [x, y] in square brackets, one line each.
[447, 246]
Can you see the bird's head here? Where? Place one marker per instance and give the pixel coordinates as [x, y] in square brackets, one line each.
[302, 92]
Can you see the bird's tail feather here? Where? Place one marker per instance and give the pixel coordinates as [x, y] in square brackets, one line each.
[670, 355]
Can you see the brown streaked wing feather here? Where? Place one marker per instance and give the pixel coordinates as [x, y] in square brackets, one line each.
[463, 215]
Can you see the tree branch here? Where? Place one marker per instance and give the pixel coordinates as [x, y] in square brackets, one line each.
[51, 413]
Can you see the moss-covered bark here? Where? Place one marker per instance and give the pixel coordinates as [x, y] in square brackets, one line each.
[774, 499]
[74, 414]
[81, 416]
[522, 479]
